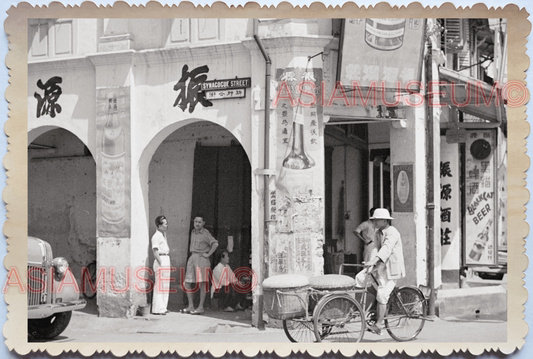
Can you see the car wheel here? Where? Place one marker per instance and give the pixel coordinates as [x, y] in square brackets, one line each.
[49, 327]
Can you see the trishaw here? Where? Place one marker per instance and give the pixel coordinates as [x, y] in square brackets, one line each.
[332, 309]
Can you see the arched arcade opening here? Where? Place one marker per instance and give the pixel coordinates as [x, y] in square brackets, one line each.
[201, 168]
[62, 196]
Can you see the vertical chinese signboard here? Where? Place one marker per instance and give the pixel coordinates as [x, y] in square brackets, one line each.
[298, 204]
[381, 52]
[450, 225]
[113, 162]
[481, 212]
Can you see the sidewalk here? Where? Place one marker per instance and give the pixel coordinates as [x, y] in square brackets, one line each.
[236, 327]
[172, 323]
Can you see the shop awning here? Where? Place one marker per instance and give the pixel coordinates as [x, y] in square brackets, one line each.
[471, 96]
[340, 115]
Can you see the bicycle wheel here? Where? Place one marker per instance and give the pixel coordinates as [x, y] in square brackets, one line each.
[91, 270]
[299, 330]
[405, 314]
[339, 319]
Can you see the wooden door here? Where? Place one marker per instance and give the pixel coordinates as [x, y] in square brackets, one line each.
[222, 192]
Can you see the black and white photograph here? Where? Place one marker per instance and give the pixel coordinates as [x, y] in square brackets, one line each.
[312, 183]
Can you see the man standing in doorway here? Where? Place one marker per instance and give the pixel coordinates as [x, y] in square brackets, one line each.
[388, 263]
[161, 267]
[198, 266]
[366, 233]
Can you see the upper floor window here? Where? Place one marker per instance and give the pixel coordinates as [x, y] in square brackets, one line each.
[193, 31]
[48, 38]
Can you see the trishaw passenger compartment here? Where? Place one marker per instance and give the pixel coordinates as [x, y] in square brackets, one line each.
[285, 296]
[328, 283]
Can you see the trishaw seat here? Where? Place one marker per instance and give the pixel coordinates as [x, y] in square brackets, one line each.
[331, 281]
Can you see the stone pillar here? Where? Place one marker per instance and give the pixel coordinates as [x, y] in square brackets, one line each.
[295, 243]
[407, 148]
[112, 144]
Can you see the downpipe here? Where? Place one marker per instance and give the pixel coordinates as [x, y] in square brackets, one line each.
[266, 165]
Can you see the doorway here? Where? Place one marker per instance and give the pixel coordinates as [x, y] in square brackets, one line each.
[221, 193]
[380, 178]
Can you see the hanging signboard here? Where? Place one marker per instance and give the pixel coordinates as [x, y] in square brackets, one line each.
[480, 240]
[383, 53]
[403, 187]
[456, 135]
[450, 199]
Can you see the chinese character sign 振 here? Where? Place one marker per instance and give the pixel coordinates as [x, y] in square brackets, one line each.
[189, 88]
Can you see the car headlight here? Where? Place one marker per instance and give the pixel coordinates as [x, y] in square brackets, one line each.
[60, 265]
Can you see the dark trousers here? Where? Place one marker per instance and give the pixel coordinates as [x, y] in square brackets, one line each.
[229, 297]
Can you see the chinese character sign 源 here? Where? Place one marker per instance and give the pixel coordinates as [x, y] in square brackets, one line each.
[47, 104]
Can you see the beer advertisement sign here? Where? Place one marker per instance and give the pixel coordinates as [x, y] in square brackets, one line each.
[480, 241]
[382, 53]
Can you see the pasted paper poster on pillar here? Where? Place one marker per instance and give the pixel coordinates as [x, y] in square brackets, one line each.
[299, 165]
[450, 225]
[480, 243]
[113, 161]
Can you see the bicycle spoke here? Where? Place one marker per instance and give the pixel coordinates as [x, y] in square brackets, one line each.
[339, 319]
[405, 313]
[299, 330]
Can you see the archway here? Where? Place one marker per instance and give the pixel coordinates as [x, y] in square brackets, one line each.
[201, 167]
[62, 195]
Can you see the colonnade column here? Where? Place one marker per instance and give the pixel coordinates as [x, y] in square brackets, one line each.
[112, 138]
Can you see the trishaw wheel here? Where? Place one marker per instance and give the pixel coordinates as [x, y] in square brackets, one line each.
[339, 318]
[405, 314]
[299, 330]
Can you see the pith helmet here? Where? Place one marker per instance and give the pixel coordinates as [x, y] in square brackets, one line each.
[381, 213]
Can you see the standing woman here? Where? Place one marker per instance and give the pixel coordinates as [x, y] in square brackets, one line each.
[161, 267]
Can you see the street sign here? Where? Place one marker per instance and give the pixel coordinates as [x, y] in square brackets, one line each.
[222, 94]
[227, 84]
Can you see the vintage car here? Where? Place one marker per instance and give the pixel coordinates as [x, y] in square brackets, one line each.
[50, 304]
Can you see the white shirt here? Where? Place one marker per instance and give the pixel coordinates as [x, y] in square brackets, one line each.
[222, 276]
[159, 241]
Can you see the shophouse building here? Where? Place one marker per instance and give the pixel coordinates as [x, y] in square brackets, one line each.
[278, 131]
